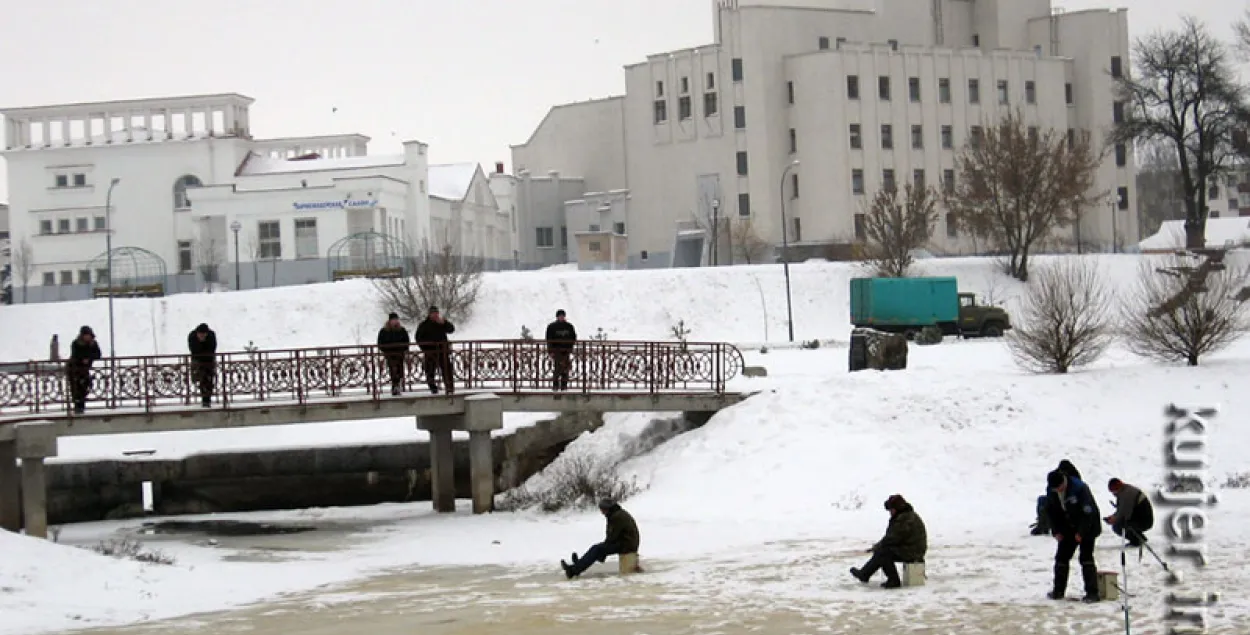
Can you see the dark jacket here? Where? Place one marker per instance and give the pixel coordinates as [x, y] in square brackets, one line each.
[1066, 467]
[561, 336]
[1129, 502]
[81, 354]
[431, 335]
[622, 531]
[393, 342]
[1075, 512]
[203, 352]
[905, 536]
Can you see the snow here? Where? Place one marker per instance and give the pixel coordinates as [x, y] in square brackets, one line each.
[1220, 233]
[787, 484]
[451, 181]
[258, 165]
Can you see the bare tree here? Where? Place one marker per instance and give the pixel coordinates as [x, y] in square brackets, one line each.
[1180, 312]
[209, 257]
[895, 226]
[446, 279]
[1064, 319]
[1160, 194]
[1016, 185]
[22, 261]
[748, 247]
[1185, 93]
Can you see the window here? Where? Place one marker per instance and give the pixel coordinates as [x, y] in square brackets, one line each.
[1071, 138]
[1030, 92]
[659, 89]
[975, 137]
[893, 45]
[944, 90]
[306, 238]
[67, 278]
[822, 43]
[618, 228]
[49, 279]
[742, 164]
[1117, 69]
[564, 237]
[976, 40]
[99, 223]
[861, 227]
[1067, 94]
[887, 136]
[270, 234]
[1121, 155]
[917, 137]
[852, 86]
[1117, 111]
[839, 42]
[84, 276]
[684, 109]
[185, 263]
[798, 229]
[81, 224]
[1122, 195]
[790, 92]
[1004, 96]
[45, 227]
[918, 179]
[594, 228]
[857, 138]
[661, 111]
[709, 104]
[80, 180]
[974, 91]
[710, 84]
[913, 88]
[62, 180]
[794, 141]
[1032, 134]
[594, 245]
[883, 88]
[794, 186]
[887, 180]
[857, 181]
[62, 226]
[740, 117]
[744, 204]
[545, 237]
[685, 85]
[101, 276]
[643, 255]
[952, 226]
[1213, 192]
[735, 68]
[948, 181]
[948, 137]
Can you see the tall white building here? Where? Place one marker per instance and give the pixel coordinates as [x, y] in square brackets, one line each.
[859, 96]
[192, 200]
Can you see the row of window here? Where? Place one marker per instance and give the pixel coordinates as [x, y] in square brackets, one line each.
[66, 278]
[79, 225]
[544, 237]
[69, 180]
[885, 92]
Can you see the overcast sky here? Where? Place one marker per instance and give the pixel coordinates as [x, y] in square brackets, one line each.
[469, 77]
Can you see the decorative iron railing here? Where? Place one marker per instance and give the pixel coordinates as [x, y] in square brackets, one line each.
[323, 374]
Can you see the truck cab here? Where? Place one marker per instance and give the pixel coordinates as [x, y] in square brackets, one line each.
[981, 319]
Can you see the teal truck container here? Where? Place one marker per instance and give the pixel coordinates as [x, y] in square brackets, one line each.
[907, 305]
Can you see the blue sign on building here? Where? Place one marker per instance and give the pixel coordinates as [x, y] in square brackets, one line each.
[346, 204]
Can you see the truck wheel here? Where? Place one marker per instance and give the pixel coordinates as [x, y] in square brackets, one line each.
[992, 329]
[911, 334]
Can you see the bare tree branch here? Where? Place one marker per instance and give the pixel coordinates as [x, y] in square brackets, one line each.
[446, 279]
[1160, 193]
[22, 261]
[748, 247]
[209, 257]
[895, 226]
[1064, 320]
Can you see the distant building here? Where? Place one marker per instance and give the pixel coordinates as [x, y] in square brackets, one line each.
[195, 200]
[861, 99]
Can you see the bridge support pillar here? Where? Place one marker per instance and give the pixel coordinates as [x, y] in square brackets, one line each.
[442, 463]
[482, 415]
[35, 442]
[10, 488]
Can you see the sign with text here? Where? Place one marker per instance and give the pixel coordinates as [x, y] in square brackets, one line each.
[344, 204]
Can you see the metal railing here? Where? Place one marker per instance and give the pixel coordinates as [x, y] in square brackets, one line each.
[314, 375]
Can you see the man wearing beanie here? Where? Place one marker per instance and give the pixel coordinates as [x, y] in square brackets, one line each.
[202, 345]
[1074, 522]
[622, 538]
[561, 336]
[393, 341]
[905, 540]
[432, 335]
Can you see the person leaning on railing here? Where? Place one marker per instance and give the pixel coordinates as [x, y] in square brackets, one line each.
[393, 341]
[202, 345]
[82, 352]
[432, 335]
[561, 336]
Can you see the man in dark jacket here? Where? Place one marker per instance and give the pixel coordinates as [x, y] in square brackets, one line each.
[82, 352]
[1134, 515]
[1074, 522]
[432, 335]
[393, 341]
[202, 344]
[1050, 499]
[905, 540]
[622, 538]
[560, 339]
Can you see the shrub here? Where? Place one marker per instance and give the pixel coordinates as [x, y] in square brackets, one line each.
[1064, 318]
[1237, 481]
[929, 335]
[575, 482]
[447, 280]
[526, 334]
[680, 331]
[127, 549]
[811, 345]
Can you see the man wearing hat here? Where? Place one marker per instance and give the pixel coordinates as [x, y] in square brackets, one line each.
[202, 344]
[82, 351]
[561, 336]
[393, 341]
[432, 335]
[622, 538]
[1074, 522]
[905, 540]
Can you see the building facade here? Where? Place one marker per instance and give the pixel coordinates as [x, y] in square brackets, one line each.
[839, 102]
[190, 200]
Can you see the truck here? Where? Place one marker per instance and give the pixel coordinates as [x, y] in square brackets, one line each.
[907, 305]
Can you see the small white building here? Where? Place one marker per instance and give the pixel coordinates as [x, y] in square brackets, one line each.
[192, 200]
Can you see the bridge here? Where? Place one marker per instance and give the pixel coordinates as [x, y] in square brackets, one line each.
[158, 393]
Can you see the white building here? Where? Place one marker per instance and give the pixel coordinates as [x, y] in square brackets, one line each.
[193, 199]
[859, 97]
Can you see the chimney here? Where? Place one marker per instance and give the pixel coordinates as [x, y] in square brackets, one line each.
[499, 167]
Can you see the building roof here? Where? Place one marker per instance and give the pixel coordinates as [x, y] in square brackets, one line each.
[1221, 232]
[452, 181]
[121, 105]
[257, 165]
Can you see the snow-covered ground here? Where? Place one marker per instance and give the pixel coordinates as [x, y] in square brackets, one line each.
[771, 501]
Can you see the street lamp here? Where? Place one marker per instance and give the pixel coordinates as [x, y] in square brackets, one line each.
[235, 226]
[1115, 230]
[785, 247]
[715, 232]
[108, 254]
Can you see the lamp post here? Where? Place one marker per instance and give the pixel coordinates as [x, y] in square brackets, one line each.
[715, 232]
[1115, 230]
[235, 226]
[785, 247]
[108, 255]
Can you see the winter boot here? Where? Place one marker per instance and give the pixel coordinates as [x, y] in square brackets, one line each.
[568, 570]
[859, 575]
[1061, 582]
[433, 389]
[1089, 574]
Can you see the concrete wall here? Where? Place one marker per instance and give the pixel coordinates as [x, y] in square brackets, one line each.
[584, 138]
[540, 205]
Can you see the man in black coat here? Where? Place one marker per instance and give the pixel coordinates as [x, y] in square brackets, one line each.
[82, 352]
[1075, 524]
[393, 341]
[432, 335]
[561, 336]
[202, 344]
[1134, 515]
[621, 538]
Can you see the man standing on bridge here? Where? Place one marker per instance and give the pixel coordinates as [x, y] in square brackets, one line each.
[202, 344]
[432, 335]
[561, 336]
[393, 341]
[82, 351]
